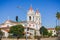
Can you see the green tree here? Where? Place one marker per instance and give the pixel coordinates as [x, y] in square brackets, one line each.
[43, 31]
[17, 31]
[57, 28]
[58, 17]
[50, 33]
[1, 34]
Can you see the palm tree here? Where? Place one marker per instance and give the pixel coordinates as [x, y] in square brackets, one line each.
[58, 17]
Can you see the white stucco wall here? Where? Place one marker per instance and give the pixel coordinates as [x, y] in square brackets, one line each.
[6, 34]
[53, 32]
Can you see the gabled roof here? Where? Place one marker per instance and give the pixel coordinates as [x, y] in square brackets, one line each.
[10, 21]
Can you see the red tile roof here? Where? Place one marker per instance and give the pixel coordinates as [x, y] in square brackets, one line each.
[51, 28]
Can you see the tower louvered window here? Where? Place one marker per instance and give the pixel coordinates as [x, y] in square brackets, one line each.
[29, 17]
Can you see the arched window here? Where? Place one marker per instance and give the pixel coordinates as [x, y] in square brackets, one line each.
[29, 17]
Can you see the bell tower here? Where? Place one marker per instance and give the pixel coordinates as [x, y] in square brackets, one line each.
[30, 14]
[30, 19]
[33, 21]
[38, 20]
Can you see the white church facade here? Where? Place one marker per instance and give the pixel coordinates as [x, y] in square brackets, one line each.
[33, 23]
[34, 20]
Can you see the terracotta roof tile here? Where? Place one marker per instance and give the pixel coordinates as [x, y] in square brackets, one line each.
[51, 28]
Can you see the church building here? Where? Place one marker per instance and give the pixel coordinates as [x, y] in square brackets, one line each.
[33, 23]
[34, 20]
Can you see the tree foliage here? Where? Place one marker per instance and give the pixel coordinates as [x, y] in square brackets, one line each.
[50, 33]
[58, 15]
[57, 28]
[17, 30]
[1, 34]
[43, 31]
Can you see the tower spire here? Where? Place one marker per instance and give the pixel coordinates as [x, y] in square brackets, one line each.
[31, 8]
[37, 11]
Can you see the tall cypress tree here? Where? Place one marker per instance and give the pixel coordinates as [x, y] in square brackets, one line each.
[16, 18]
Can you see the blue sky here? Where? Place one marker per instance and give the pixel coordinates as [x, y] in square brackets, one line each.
[47, 9]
